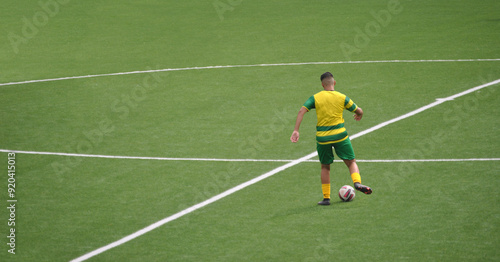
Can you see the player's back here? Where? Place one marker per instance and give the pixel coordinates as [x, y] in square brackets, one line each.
[329, 107]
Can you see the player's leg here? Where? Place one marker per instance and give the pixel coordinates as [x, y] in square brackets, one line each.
[353, 170]
[325, 154]
[325, 174]
[325, 181]
[345, 151]
[356, 177]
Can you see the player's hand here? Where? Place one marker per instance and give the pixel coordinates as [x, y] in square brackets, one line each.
[295, 137]
[358, 114]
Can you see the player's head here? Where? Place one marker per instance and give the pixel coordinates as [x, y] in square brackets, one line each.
[327, 79]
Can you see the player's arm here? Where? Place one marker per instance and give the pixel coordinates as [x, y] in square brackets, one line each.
[351, 106]
[358, 114]
[295, 135]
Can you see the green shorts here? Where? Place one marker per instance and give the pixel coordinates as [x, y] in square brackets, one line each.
[342, 149]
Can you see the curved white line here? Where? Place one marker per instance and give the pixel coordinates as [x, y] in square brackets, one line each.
[256, 65]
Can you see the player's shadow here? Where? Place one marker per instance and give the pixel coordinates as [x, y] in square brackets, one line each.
[313, 208]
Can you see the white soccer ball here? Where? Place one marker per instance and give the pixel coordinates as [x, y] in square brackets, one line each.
[346, 193]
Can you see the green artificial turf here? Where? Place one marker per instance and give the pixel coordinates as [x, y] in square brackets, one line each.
[68, 206]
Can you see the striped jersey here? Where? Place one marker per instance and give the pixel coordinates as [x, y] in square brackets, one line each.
[329, 107]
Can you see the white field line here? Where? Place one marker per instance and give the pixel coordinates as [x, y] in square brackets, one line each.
[431, 105]
[420, 160]
[191, 209]
[243, 159]
[142, 157]
[259, 178]
[256, 65]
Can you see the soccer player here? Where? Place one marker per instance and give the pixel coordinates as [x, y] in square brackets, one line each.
[331, 134]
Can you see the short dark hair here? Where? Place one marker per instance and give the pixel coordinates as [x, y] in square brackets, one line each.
[326, 75]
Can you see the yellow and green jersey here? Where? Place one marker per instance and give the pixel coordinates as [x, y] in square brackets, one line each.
[329, 107]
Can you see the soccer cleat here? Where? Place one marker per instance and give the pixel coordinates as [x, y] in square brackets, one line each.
[324, 202]
[362, 188]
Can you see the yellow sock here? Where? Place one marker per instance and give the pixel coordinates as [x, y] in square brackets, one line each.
[356, 178]
[326, 190]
